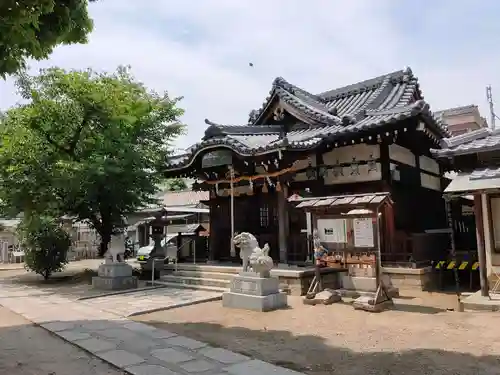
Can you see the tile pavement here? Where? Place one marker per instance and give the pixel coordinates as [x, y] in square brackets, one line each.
[130, 304]
[135, 347]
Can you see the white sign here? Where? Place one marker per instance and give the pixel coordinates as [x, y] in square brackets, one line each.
[332, 230]
[363, 232]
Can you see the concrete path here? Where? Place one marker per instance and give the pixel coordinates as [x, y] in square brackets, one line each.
[137, 348]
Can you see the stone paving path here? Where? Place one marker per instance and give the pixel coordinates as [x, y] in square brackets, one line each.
[130, 304]
[137, 348]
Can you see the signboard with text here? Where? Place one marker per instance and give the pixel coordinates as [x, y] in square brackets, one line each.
[217, 158]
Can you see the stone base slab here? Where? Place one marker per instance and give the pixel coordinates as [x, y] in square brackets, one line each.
[251, 284]
[114, 283]
[366, 303]
[253, 302]
[115, 270]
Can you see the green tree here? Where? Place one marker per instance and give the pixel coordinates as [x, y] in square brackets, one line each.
[89, 145]
[175, 184]
[32, 28]
[45, 244]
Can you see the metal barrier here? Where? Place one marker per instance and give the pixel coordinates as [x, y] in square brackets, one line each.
[169, 257]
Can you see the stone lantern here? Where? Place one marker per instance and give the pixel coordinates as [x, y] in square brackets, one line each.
[157, 233]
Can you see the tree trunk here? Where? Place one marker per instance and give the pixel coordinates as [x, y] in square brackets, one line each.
[46, 274]
[105, 240]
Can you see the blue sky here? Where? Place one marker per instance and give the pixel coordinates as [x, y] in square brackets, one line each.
[201, 49]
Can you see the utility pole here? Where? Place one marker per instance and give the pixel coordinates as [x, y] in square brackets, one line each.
[489, 98]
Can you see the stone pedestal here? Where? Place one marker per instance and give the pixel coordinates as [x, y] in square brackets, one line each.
[114, 276]
[251, 291]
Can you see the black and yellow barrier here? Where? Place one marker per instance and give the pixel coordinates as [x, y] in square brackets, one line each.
[460, 265]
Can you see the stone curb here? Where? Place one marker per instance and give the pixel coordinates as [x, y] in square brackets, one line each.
[11, 269]
[190, 303]
[118, 292]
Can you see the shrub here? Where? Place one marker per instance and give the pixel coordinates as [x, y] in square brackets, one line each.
[45, 244]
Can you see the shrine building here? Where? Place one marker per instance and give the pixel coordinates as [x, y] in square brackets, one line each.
[369, 137]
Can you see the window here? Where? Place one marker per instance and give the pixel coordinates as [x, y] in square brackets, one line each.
[264, 216]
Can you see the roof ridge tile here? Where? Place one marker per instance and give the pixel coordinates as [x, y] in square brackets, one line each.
[461, 139]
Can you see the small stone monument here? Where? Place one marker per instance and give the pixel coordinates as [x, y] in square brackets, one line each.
[114, 273]
[254, 288]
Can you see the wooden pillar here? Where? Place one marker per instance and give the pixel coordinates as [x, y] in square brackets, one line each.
[212, 244]
[451, 224]
[481, 248]
[385, 163]
[283, 223]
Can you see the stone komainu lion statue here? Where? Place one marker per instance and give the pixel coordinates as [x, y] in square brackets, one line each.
[116, 250]
[251, 254]
[246, 242]
[260, 261]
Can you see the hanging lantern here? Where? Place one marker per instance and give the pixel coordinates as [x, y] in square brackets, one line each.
[278, 186]
[264, 188]
[212, 194]
[250, 188]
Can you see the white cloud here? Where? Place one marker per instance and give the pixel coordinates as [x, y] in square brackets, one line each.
[202, 49]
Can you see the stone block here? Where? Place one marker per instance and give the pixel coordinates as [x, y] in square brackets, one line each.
[114, 270]
[171, 355]
[222, 355]
[73, 335]
[95, 345]
[185, 342]
[325, 297]
[59, 326]
[114, 276]
[121, 358]
[365, 284]
[150, 370]
[197, 366]
[256, 366]
[367, 304]
[254, 302]
[114, 283]
[253, 285]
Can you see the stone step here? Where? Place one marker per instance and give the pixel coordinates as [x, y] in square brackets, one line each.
[203, 274]
[188, 286]
[204, 268]
[219, 283]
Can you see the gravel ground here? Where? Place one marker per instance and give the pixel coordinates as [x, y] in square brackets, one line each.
[420, 337]
[26, 349]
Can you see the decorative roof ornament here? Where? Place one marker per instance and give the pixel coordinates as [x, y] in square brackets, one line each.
[337, 169]
[279, 114]
[372, 164]
[333, 111]
[252, 116]
[354, 167]
[348, 120]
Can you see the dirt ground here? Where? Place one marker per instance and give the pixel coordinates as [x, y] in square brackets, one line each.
[29, 350]
[419, 337]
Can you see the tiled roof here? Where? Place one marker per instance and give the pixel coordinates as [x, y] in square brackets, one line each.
[348, 110]
[183, 198]
[455, 111]
[481, 174]
[480, 140]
